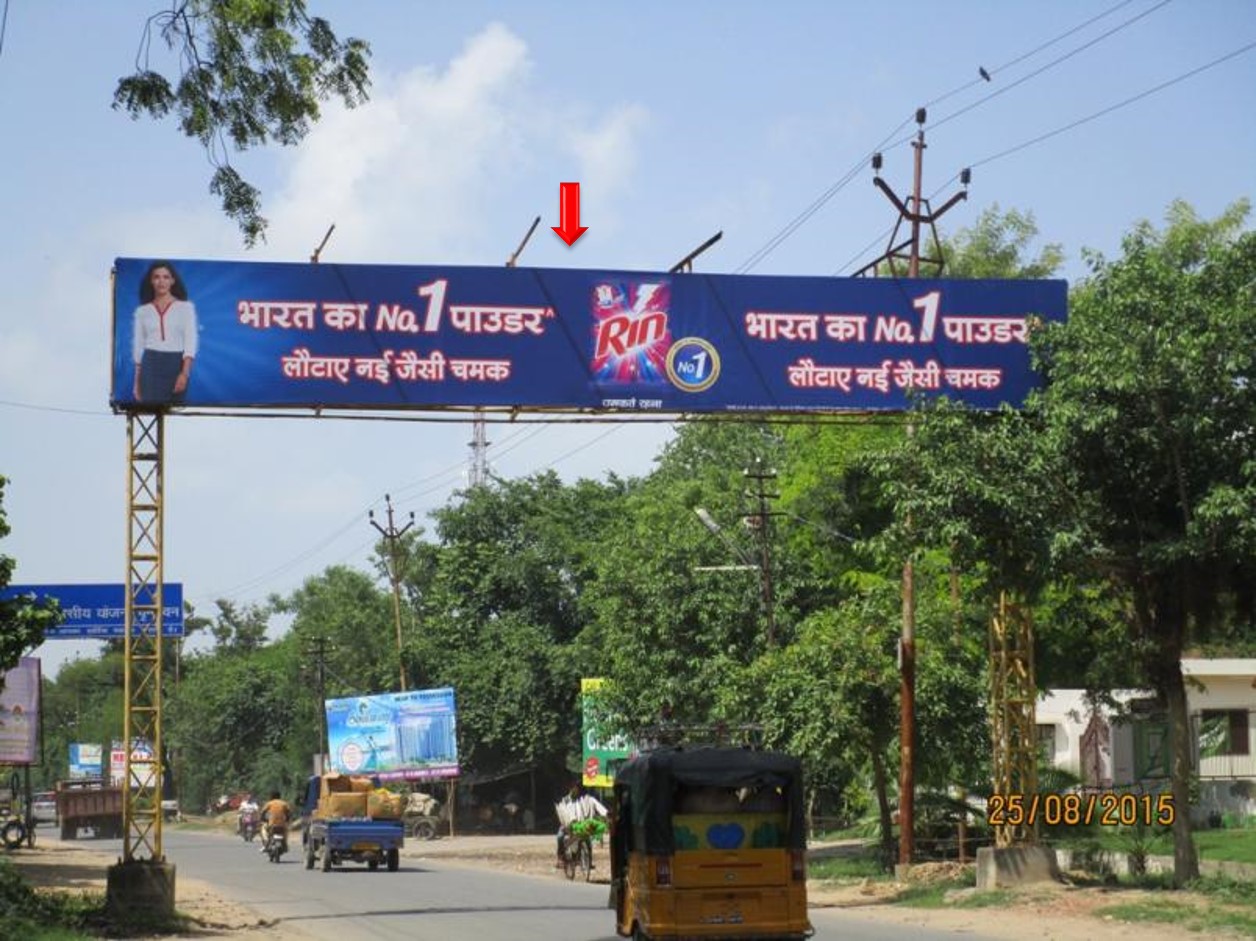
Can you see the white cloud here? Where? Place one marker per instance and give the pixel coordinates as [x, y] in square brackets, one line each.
[405, 172]
[420, 169]
[607, 155]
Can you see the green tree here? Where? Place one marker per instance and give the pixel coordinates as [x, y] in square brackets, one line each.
[998, 245]
[504, 610]
[1151, 404]
[669, 634]
[353, 618]
[83, 703]
[22, 619]
[240, 630]
[248, 72]
[234, 723]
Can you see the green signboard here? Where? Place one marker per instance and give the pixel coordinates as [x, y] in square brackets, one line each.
[602, 754]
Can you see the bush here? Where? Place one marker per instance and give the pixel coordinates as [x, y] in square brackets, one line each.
[27, 910]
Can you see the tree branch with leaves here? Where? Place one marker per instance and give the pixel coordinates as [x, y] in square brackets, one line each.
[248, 72]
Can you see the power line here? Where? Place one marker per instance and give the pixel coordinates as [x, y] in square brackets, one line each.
[1038, 71]
[520, 438]
[1026, 55]
[588, 444]
[799, 220]
[54, 408]
[1120, 104]
[816, 205]
[1068, 127]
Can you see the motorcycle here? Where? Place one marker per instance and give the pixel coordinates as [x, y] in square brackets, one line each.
[249, 821]
[276, 843]
[13, 832]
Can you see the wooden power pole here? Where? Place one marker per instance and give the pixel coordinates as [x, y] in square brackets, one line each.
[917, 213]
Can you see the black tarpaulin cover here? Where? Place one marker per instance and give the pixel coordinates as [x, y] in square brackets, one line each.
[646, 788]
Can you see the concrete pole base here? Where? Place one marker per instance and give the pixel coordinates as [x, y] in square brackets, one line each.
[140, 890]
[1003, 867]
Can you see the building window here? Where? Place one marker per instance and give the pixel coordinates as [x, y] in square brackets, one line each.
[1151, 749]
[1046, 744]
[1224, 732]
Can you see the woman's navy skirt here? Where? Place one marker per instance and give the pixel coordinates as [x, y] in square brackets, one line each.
[158, 371]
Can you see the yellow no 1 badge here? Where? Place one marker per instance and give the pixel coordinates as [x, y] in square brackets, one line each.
[693, 364]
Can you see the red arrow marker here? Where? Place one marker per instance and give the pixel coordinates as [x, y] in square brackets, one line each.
[569, 213]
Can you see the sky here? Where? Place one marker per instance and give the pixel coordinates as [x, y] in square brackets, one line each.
[679, 120]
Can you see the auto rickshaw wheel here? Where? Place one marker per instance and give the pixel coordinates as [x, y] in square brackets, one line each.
[424, 830]
[394, 859]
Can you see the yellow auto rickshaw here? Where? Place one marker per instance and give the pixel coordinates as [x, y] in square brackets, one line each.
[709, 843]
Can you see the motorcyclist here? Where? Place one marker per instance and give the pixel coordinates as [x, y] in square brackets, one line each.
[247, 811]
[276, 814]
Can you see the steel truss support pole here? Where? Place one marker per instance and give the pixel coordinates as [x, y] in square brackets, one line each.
[1013, 712]
[142, 710]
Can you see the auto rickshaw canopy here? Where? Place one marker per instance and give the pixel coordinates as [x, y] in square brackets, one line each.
[649, 784]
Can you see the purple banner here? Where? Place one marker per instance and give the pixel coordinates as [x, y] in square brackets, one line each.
[19, 714]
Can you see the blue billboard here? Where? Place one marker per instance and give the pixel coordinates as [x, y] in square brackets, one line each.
[99, 611]
[86, 760]
[277, 335]
[397, 736]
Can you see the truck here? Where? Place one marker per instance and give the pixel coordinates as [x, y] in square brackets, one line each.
[351, 819]
[89, 802]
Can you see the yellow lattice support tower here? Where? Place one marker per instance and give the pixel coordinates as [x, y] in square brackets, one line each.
[1013, 708]
[142, 711]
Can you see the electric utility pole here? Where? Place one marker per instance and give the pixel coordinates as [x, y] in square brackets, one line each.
[318, 651]
[393, 535]
[761, 522]
[916, 212]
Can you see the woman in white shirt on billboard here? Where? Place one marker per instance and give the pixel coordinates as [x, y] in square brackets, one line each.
[164, 340]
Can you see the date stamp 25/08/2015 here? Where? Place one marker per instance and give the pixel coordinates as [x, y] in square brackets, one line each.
[1106, 808]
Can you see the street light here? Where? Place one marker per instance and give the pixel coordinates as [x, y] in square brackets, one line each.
[747, 564]
[819, 526]
[709, 522]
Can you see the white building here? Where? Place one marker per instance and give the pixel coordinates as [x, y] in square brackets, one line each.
[1128, 747]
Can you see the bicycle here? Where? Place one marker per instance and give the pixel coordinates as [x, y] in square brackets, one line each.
[578, 846]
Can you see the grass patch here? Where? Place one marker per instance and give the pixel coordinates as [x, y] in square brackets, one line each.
[846, 868]
[1236, 846]
[933, 895]
[45, 915]
[856, 832]
[1226, 891]
[1187, 916]
[995, 898]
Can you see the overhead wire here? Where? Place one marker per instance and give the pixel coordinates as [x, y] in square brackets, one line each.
[934, 125]
[1040, 138]
[55, 408]
[888, 143]
[1114, 107]
[521, 437]
[1027, 55]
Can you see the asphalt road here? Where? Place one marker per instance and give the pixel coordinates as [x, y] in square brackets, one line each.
[429, 900]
